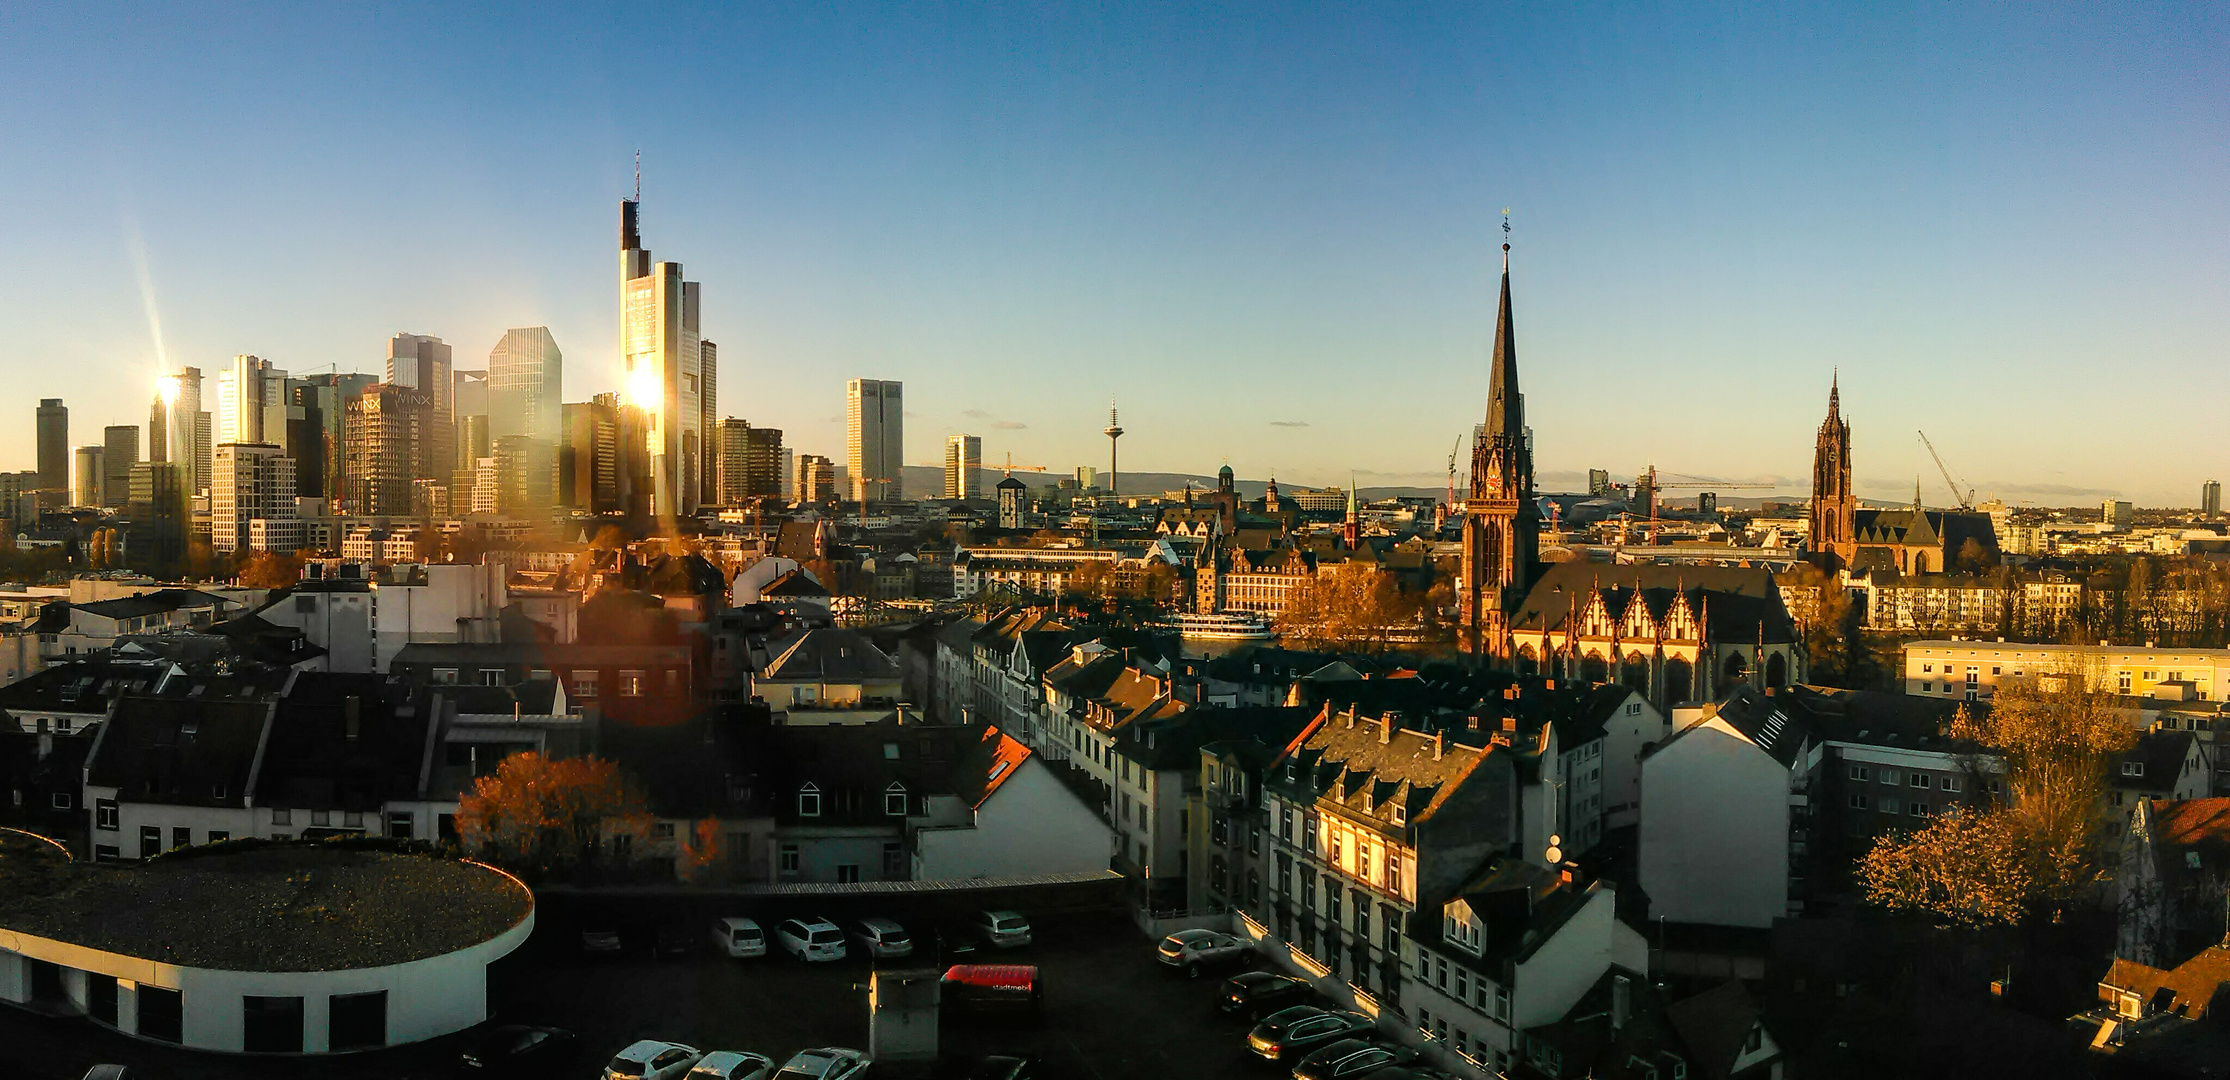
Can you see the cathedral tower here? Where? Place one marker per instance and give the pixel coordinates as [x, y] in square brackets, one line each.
[1501, 525]
[1834, 524]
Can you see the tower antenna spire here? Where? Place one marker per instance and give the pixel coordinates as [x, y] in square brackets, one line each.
[638, 176]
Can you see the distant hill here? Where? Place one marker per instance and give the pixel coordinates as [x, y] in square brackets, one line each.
[924, 481]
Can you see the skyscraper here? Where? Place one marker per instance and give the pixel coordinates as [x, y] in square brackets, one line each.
[54, 445]
[2210, 499]
[1501, 525]
[423, 363]
[665, 359]
[252, 483]
[89, 487]
[588, 460]
[468, 408]
[120, 451]
[963, 456]
[816, 479]
[874, 438]
[525, 371]
[251, 403]
[750, 462]
[178, 430]
[384, 447]
[159, 510]
[317, 447]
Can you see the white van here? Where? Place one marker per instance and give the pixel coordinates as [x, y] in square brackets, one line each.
[739, 937]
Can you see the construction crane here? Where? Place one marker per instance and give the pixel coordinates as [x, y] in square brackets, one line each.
[1650, 479]
[1011, 466]
[1453, 453]
[1966, 502]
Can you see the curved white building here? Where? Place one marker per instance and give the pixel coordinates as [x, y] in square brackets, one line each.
[289, 948]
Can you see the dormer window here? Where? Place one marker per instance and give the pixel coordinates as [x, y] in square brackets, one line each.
[809, 801]
[894, 799]
[2133, 768]
[1401, 816]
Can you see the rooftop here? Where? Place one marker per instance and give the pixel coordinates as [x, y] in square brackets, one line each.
[255, 906]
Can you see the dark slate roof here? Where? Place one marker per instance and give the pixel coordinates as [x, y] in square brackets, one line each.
[534, 697]
[83, 685]
[161, 600]
[1760, 719]
[1174, 742]
[793, 583]
[312, 762]
[2162, 754]
[1878, 718]
[1590, 1045]
[1950, 529]
[1715, 1024]
[1521, 904]
[1739, 600]
[179, 751]
[1341, 758]
[828, 655]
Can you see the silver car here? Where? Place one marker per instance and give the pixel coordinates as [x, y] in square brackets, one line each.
[1001, 929]
[882, 939]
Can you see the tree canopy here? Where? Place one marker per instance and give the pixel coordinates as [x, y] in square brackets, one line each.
[549, 815]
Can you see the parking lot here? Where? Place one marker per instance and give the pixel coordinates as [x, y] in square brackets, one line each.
[1110, 1011]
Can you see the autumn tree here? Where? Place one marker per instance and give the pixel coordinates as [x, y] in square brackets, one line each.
[548, 815]
[271, 570]
[2038, 853]
[1353, 605]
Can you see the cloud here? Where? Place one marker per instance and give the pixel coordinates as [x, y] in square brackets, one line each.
[1289, 423]
[1010, 425]
[978, 414]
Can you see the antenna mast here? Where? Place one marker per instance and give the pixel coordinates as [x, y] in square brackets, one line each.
[638, 176]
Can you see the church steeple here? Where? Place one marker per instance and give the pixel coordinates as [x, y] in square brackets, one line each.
[1505, 405]
[1834, 517]
[1502, 525]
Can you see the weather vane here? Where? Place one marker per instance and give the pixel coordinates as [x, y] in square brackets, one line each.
[1505, 224]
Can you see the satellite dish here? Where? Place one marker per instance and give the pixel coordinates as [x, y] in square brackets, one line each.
[1554, 855]
[1556, 840]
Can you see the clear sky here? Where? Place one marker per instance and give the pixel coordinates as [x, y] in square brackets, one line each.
[1273, 240]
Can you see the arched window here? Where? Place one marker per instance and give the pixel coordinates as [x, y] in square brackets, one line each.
[1776, 670]
[1736, 670]
[1594, 669]
[1527, 663]
[1679, 677]
[1634, 674]
[809, 800]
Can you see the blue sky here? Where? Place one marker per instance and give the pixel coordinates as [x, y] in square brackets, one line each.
[1273, 240]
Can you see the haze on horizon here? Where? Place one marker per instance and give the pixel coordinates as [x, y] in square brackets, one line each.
[1273, 242]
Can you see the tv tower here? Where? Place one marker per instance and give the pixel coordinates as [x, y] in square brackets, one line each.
[1114, 431]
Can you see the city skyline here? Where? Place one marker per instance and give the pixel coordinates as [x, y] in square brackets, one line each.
[1792, 198]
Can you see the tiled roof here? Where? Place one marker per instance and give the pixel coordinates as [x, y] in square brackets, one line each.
[986, 766]
[2187, 991]
[829, 655]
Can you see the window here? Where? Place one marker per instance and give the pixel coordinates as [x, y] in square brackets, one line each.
[181, 836]
[1918, 780]
[352, 819]
[281, 816]
[1755, 1039]
[1952, 783]
[630, 683]
[584, 685]
[1890, 805]
[662, 830]
[491, 677]
[1502, 1003]
[218, 836]
[1890, 777]
[1927, 687]
[1308, 832]
[1332, 839]
[894, 860]
[809, 801]
[1928, 667]
[401, 825]
[1285, 824]
[60, 800]
[271, 1025]
[1918, 809]
[1858, 801]
[894, 799]
[105, 814]
[847, 873]
[359, 1021]
[1401, 816]
[789, 858]
[2133, 768]
[444, 676]
[1859, 772]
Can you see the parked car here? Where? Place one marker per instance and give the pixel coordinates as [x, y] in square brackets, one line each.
[985, 991]
[1349, 1059]
[652, 1060]
[1256, 994]
[739, 937]
[1001, 929]
[516, 1049]
[600, 941]
[826, 1063]
[674, 940]
[112, 1072]
[992, 1067]
[810, 939]
[882, 939]
[1290, 1034]
[1406, 1072]
[732, 1065]
[1195, 951]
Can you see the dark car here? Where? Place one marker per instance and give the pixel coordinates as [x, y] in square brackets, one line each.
[674, 940]
[1257, 994]
[516, 1050]
[1349, 1059]
[1291, 1034]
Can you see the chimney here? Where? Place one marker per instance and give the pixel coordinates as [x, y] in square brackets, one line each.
[1622, 1002]
[1386, 728]
[352, 716]
[1439, 743]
